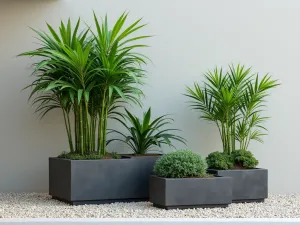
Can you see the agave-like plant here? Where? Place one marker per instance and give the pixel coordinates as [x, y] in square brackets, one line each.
[88, 74]
[146, 133]
[234, 101]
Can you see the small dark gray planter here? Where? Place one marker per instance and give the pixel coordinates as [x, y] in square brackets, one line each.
[80, 182]
[182, 193]
[250, 185]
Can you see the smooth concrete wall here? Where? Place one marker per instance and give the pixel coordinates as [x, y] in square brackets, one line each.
[190, 36]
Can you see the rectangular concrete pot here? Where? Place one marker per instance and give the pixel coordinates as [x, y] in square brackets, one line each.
[182, 193]
[249, 185]
[100, 181]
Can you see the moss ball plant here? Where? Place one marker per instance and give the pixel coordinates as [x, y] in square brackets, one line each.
[238, 159]
[180, 164]
[244, 159]
[219, 161]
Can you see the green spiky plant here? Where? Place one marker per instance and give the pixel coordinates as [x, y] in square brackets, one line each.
[146, 133]
[87, 74]
[234, 101]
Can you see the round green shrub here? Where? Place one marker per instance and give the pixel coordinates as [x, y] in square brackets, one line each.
[244, 159]
[180, 164]
[219, 161]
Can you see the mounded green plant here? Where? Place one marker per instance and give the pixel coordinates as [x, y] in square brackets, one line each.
[244, 159]
[180, 164]
[237, 159]
[87, 75]
[146, 133]
[219, 161]
[234, 101]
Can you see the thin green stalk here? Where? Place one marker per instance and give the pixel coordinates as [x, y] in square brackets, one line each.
[70, 133]
[104, 132]
[99, 133]
[228, 133]
[92, 127]
[68, 130]
[81, 129]
[101, 126]
[77, 129]
[233, 133]
[224, 138]
[87, 123]
[221, 134]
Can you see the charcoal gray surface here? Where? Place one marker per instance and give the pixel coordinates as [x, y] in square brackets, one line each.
[182, 193]
[248, 185]
[100, 181]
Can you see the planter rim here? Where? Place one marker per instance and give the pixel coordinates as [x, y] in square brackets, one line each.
[73, 160]
[191, 178]
[240, 170]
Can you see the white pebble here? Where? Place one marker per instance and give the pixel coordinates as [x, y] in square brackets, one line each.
[39, 205]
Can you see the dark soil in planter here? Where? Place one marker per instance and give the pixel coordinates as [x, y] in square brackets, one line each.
[207, 176]
[140, 155]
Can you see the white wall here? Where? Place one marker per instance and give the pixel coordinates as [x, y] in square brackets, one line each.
[191, 36]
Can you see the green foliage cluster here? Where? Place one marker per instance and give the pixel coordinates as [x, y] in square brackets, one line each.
[238, 158]
[244, 159]
[144, 134]
[219, 161]
[180, 164]
[88, 75]
[234, 101]
[91, 74]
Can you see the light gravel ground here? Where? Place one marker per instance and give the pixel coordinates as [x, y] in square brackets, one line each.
[36, 205]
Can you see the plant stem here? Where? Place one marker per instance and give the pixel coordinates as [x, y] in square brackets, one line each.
[77, 129]
[81, 129]
[70, 133]
[88, 141]
[101, 126]
[68, 129]
[228, 133]
[221, 134]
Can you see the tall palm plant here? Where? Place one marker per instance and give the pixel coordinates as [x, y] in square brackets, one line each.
[87, 74]
[233, 100]
[118, 68]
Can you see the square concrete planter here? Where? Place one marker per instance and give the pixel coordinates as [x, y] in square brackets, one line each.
[182, 193]
[100, 181]
[249, 185]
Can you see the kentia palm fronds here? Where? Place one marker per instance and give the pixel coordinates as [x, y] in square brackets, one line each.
[233, 100]
[87, 73]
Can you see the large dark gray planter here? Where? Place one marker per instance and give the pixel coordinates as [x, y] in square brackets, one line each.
[100, 181]
[249, 185]
[182, 193]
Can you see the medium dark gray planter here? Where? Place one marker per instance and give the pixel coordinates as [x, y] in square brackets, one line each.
[100, 181]
[182, 193]
[250, 185]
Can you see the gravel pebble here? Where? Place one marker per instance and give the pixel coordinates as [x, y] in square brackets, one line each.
[40, 205]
